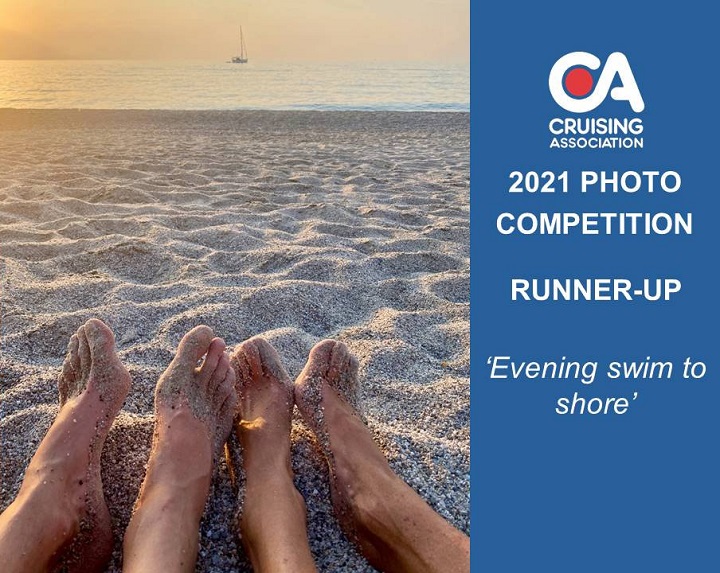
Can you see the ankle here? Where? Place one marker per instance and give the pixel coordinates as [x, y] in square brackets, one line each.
[268, 465]
[175, 487]
[266, 484]
[272, 512]
[61, 512]
[182, 452]
[367, 486]
[372, 500]
[167, 503]
[54, 486]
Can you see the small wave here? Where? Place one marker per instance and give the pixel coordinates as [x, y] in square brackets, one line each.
[218, 86]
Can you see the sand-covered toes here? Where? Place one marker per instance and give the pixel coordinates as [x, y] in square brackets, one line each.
[63, 481]
[194, 406]
[206, 391]
[265, 391]
[395, 530]
[327, 393]
[294, 225]
[272, 519]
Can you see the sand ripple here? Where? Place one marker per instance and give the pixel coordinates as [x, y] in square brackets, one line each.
[298, 226]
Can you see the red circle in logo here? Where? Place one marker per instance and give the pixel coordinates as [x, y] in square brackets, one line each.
[578, 82]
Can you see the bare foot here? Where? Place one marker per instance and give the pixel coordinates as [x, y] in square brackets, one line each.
[327, 395]
[272, 522]
[393, 527]
[60, 513]
[192, 394]
[194, 408]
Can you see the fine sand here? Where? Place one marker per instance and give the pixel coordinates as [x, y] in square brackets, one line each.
[297, 226]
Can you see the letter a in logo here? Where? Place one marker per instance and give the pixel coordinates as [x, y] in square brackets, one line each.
[574, 91]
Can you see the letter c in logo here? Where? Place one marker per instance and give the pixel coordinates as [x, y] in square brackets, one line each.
[579, 82]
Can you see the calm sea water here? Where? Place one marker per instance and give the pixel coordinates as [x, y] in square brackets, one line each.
[110, 84]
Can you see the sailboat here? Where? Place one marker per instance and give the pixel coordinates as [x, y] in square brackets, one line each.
[243, 57]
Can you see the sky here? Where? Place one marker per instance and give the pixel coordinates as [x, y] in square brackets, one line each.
[275, 30]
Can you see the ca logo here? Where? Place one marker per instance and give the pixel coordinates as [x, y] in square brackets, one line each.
[574, 91]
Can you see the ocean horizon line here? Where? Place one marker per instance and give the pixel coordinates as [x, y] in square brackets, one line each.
[234, 110]
[205, 85]
[254, 60]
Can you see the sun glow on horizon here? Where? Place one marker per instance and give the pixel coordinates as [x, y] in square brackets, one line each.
[275, 30]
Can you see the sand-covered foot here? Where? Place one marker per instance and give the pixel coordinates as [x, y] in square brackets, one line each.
[189, 396]
[265, 404]
[272, 517]
[195, 403]
[393, 527]
[62, 491]
[327, 393]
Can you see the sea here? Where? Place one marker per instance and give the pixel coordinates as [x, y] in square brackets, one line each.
[113, 84]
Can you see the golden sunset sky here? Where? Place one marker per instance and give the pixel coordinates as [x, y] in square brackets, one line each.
[279, 30]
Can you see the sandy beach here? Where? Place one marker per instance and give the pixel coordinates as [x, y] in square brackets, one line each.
[297, 226]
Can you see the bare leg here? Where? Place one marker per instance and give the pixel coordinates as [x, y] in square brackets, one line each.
[194, 407]
[60, 515]
[272, 526]
[392, 525]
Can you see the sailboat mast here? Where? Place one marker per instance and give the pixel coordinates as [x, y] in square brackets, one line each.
[243, 57]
